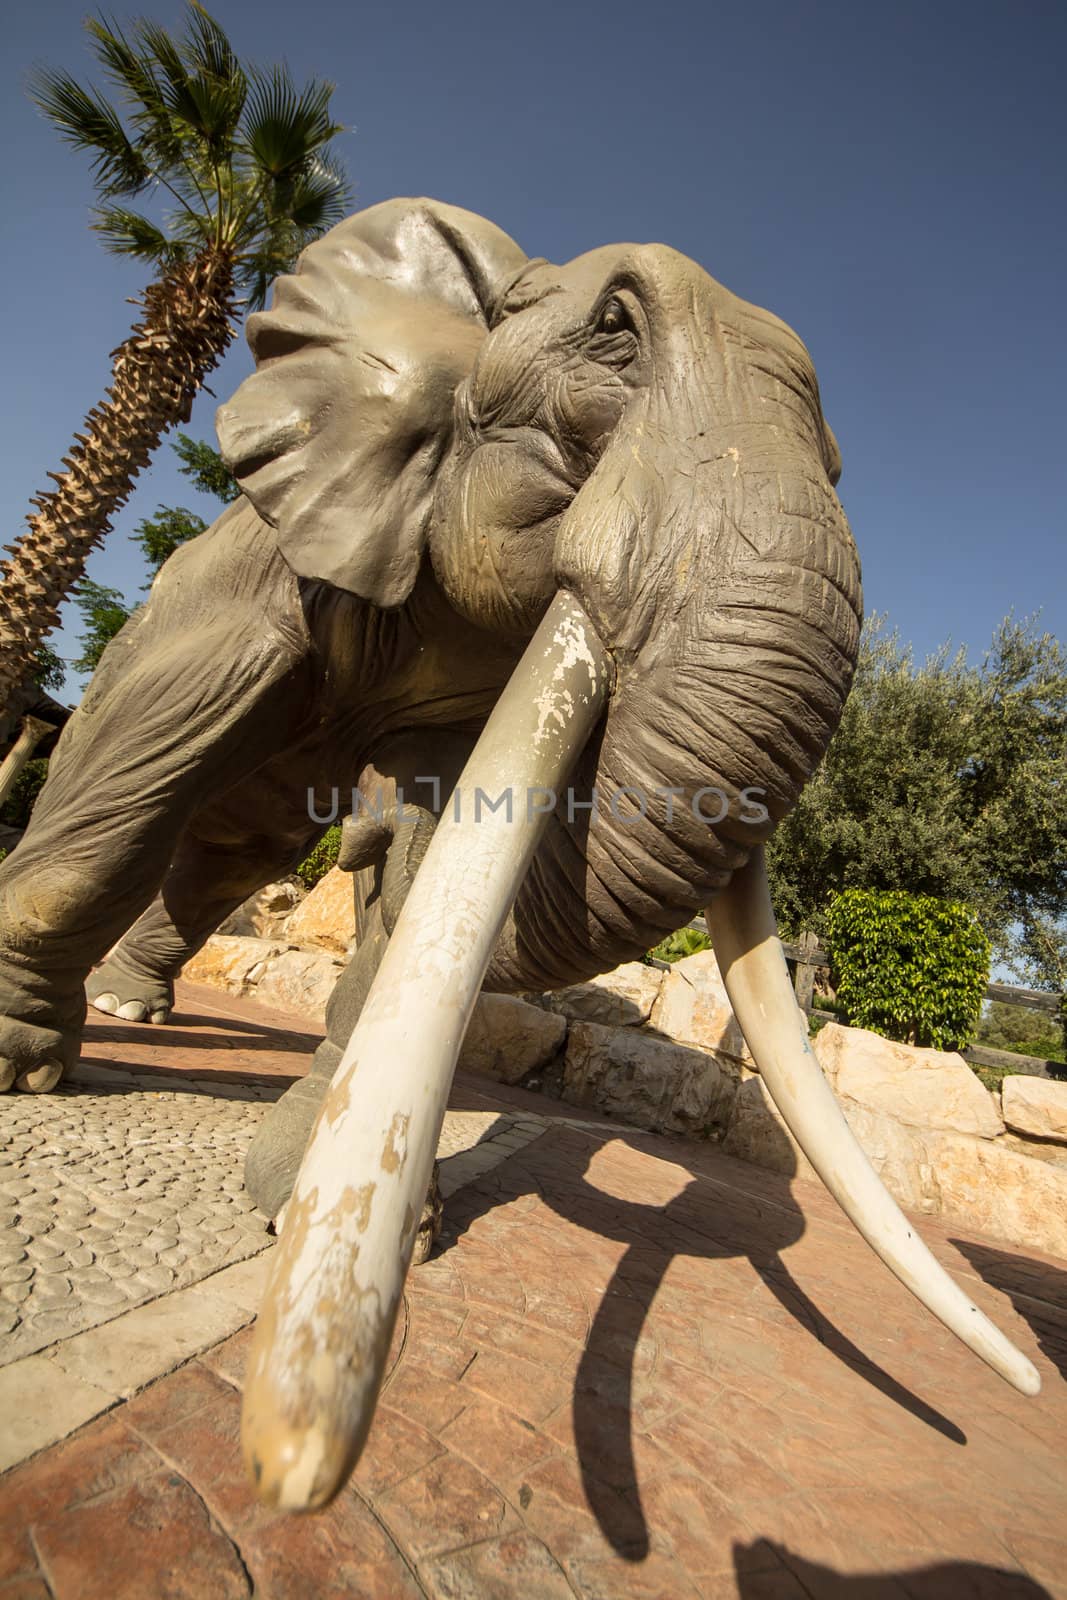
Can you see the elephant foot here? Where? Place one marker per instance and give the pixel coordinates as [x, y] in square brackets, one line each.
[119, 991]
[40, 1034]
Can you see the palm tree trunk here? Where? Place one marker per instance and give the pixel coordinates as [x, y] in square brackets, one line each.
[156, 374]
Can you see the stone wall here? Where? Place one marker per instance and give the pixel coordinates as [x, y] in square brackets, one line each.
[663, 1051]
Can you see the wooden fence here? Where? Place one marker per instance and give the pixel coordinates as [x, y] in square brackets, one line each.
[805, 957]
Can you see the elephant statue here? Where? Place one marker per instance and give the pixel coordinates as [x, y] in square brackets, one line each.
[571, 531]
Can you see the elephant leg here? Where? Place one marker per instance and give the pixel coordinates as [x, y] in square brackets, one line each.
[207, 880]
[189, 715]
[275, 1153]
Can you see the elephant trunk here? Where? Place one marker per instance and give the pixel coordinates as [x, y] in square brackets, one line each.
[734, 626]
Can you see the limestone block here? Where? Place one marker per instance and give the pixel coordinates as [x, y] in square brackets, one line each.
[264, 915]
[508, 1038]
[646, 1081]
[235, 965]
[1036, 1107]
[618, 999]
[1000, 1191]
[756, 1133]
[982, 1184]
[922, 1088]
[300, 981]
[326, 918]
[692, 1009]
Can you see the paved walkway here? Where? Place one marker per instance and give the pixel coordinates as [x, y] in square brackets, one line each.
[636, 1369]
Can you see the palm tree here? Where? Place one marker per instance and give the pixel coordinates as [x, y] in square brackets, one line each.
[239, 160]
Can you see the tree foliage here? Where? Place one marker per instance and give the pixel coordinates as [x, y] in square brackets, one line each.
[1016, 1028]
[202, 463]
[910, 967]
[239, 156]
[214, 173]
[945, 779]
[104, 612]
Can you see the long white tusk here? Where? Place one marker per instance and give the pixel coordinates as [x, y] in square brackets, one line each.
[750, 958]
[323, 1334]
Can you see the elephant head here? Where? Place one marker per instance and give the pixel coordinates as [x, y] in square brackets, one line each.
[625, 457]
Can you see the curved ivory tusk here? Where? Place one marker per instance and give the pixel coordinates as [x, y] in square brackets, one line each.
[750, 957]
[335, 1283]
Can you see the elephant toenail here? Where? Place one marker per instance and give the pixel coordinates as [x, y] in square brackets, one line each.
[159, 1017]
[38, 1080]
[108, 1003]
[133, 1011]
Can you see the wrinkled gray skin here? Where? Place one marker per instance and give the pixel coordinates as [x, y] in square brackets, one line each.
[439, 435]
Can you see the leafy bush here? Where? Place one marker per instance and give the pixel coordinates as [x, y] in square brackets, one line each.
[676, 946]
[318, 862]
[910, 967]
[16, 809]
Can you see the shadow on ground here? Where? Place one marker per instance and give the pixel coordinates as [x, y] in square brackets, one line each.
[755, 1563]
[1038, 1291]
[694, 1225]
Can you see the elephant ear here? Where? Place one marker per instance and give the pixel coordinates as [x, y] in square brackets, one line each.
[337, 437]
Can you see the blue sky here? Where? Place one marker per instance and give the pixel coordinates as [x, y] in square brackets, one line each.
[888, 178]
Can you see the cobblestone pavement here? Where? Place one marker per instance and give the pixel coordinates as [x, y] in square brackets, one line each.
[636, 1370]
[119, 1188]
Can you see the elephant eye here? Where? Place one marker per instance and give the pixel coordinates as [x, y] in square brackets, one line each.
[613, 317]
[613, 340]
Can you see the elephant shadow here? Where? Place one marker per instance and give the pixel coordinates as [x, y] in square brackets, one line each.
[760, 1223]
[1038, 1292]
[758, 1569]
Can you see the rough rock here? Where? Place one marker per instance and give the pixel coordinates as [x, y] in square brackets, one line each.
[300, 981]
[326, 918]
[692, 1008]
[922, 1088]
[235, 965]
[265, 914]
[982, 1184]
[756, 1133]
[508, 1038]
[998, 1190]
[618, 999]
[649, 1082]
[1036, 1107]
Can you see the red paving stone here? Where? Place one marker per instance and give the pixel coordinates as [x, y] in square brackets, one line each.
[637, 1370]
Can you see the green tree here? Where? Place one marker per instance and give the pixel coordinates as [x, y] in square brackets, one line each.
[48, 668]
[1028, 1033]
[104, 612]
[944, 779]
[236, 165]
[202, 463]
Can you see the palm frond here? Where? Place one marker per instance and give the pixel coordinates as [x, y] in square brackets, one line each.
[207, 49]
[89, 122]
[128, 233]
[317, 198]
[206, 106]
[133, 74]
[282, 129]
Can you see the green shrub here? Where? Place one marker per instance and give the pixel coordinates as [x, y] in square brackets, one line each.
[910, 967]
[318, 862]
[16, 809]
[676, 946]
